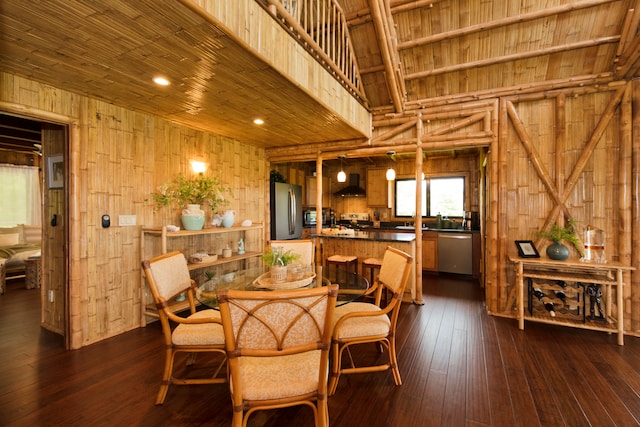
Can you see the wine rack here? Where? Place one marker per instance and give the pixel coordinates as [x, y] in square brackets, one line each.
[544, 277]
[571, 307]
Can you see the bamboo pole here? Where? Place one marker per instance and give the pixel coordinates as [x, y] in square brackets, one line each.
[503, 22]
[534, 157]
[513, 57]
[561, 142]
[497, 228]
[635, 214]
[624, 178]
[595, 83]
[625, 33]
[385, 52]
[418, 209]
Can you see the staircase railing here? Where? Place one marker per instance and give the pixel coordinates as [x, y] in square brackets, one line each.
[321, 28]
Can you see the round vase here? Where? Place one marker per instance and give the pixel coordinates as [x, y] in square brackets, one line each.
[193, 218]
[228, 218]
[557, 251]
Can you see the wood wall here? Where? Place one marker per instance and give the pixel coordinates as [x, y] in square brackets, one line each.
[117, 158]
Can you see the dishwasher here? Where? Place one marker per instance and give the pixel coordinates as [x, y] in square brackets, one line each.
[455, 253]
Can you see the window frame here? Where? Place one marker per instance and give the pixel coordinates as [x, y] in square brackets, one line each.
[427, 193]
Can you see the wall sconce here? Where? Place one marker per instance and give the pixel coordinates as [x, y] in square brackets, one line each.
[198, 167]
[342, 177]
[391, 174]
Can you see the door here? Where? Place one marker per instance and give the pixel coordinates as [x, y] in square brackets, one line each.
[54, 231]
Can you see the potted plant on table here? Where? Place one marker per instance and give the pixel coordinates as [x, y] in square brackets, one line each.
[278, 259]
[557, 250]
[191, 193]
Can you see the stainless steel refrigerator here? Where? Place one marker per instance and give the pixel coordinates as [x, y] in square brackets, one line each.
[286, 211]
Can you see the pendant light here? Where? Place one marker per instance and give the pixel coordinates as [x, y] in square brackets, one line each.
[391, 174]
[342, 177]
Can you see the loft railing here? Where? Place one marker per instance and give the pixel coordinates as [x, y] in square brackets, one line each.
[320, 26]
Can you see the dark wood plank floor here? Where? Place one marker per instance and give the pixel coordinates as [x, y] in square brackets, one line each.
[459, 366]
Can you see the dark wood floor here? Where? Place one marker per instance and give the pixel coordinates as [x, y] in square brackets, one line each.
[459, 366]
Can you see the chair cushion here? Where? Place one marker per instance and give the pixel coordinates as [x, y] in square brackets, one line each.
[360, 326]
[277, 377]
[201, 334]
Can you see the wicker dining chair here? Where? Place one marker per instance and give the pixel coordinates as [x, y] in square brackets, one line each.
[168, 276]
[359, 323]
[277, 346]
[303, 247]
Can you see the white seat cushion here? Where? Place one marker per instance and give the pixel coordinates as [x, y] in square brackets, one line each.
[201, 334]
[361, 326]
[277, 377]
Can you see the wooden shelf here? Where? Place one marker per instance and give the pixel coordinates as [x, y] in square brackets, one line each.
[220, 260]
[163, 241]
[545, 273]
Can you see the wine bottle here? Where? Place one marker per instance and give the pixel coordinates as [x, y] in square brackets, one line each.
[538, 293]
[549, 306]
[562, 296]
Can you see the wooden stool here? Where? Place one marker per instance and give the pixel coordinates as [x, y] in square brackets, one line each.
[344, 261]
[373, 264]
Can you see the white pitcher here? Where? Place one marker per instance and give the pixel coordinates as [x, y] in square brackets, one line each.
[228, 218]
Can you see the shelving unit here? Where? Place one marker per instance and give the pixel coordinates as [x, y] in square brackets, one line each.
[157, 241]
[545, 274]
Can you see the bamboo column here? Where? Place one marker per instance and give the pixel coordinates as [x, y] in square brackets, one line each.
[635, 215]
[418, 218]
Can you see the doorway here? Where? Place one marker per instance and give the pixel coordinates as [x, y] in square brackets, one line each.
[45, 145]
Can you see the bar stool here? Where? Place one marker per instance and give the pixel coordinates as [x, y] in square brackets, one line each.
[344, 261]
[373, 264]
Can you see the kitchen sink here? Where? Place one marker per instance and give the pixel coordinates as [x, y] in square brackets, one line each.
[408, 227]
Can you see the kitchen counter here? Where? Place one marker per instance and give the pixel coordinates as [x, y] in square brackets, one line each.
[381, 236]
[371, 244]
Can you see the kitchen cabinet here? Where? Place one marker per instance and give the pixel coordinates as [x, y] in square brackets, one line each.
[377, 187]
[430, 251]
[157, 241]
[311, 192]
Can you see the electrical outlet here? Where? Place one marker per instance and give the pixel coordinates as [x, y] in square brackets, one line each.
[126, 220]
[51, 294]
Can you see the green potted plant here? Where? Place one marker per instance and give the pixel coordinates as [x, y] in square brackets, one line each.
[278, 259]
[191, 193]
[557, 234]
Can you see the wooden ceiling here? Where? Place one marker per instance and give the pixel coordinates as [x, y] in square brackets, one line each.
[409, 53]
[413, 52]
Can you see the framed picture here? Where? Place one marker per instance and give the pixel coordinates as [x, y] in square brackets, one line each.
[526, 249]
[55, 171]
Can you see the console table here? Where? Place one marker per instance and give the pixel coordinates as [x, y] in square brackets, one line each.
[548, 277]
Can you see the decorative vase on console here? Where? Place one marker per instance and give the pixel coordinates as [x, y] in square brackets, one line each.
[557, 251]
[193, 217]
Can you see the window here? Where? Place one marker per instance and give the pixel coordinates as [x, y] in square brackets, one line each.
[20, 195]
[443, 196]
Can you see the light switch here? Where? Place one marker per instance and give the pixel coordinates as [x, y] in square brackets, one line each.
[126, 220]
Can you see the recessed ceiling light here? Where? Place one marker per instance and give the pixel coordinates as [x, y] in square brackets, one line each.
[161, 81]
[258, 121]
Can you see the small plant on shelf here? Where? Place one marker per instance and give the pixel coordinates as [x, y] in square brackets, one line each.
[199, 190]
[567, 233]
[277, 257]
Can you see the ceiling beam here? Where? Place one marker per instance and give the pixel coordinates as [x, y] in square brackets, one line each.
[514, 57]
[516, 19]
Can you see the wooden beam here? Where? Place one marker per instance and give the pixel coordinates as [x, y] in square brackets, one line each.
[514, 57]
[516, 19]
[388, 59]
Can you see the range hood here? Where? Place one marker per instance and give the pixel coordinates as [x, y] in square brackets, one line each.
[353, 189]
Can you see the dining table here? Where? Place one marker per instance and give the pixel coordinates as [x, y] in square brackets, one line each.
[351, 285]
